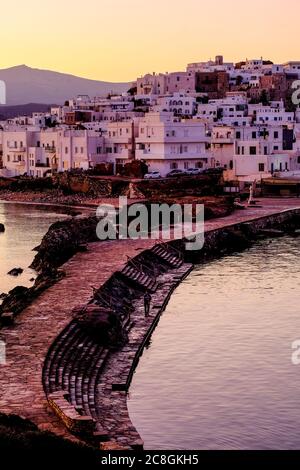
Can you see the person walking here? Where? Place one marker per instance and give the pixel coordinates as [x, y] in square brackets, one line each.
[147, 302]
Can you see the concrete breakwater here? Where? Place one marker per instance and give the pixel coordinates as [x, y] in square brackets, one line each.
[102, 396]
[101, 391]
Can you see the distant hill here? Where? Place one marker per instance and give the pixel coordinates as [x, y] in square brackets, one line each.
[28, 85]
[8, 112]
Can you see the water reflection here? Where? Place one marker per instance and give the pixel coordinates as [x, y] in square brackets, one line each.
[218, 374]
[25, 226]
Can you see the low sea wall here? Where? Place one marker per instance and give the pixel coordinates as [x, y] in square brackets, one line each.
[106, 401]
[104, 277]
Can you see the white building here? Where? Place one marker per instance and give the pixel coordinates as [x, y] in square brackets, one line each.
[120, 141]
[37, 152]
[179, 104]
[166, 143]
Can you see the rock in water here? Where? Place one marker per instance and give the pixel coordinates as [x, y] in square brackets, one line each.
[2, 228]
[15, 300]
[15, 272]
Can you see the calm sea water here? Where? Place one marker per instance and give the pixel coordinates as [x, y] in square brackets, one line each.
[218, 374]
[25, 227]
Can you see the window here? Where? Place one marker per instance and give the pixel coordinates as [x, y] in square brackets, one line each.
[66, 150]
[173, 166]
[276, 135]
[76, 149]
[186, 165]
[254, 135]
[238, 135]
[261, 167]
[252, 150]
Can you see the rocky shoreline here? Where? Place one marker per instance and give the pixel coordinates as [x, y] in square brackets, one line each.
[61, 242]
[52, 197]
[66, 238]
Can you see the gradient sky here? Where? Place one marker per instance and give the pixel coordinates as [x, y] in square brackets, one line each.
[118, 40]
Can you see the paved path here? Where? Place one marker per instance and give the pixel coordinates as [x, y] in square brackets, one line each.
[36, 328]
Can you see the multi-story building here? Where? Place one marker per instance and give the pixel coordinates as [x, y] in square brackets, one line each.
[218, 65]
[166, 143]
[161, 84]
[37, 152]
[180, 104]
[120, 141]
[214, 84]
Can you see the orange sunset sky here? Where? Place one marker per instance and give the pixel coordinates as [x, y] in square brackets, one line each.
[118, 40]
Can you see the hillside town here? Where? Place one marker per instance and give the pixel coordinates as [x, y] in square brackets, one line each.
[216, 116]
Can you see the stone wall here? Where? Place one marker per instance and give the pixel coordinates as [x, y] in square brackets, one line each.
[77, 424]
[63, 240]
[97, 186]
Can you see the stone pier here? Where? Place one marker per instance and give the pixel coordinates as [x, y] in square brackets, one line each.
[28, 341]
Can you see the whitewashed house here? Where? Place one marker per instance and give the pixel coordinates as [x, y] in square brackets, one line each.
[166, 143]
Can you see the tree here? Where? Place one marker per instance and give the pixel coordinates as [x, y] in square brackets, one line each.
[264, 98]
[132, 91]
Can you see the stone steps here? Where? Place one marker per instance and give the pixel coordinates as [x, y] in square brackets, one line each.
[90, 388]
[73, 366]
[169, 255]
[49, 379]
[140, 278]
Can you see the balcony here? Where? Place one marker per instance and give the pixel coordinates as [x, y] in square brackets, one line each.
[50, 149]
[17, 149]
[18, 163]
[222, 140]
[41, 165]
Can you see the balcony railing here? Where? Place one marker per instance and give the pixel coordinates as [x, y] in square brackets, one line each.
[50, 149]
[17, 149]
[42, 165]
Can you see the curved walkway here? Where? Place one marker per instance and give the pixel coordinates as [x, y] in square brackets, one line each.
[29, 340]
